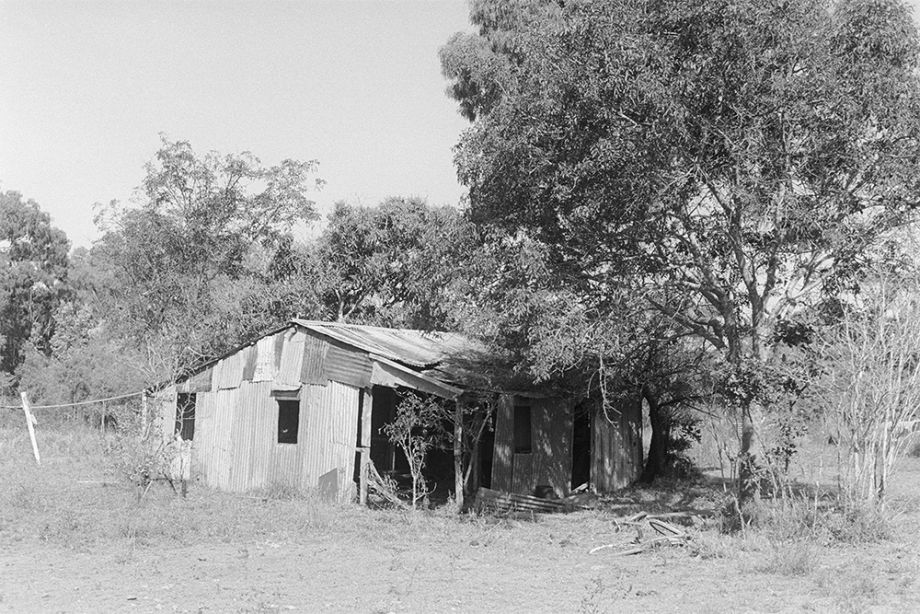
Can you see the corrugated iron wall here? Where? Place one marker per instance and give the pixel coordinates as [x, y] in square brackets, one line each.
[553, 425]
[236, 445]
[503, 455]
[616, 448]
[347, 365]
[162, 408]
[332, 433]
[550, 461]
[291, 358]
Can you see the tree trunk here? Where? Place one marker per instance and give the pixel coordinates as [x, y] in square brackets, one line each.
[747, 486]
[660, 420]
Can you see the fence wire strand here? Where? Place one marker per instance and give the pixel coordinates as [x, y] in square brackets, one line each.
[78, 403]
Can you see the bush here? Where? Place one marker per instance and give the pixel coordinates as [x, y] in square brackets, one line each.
[142, 461]
[869, 385]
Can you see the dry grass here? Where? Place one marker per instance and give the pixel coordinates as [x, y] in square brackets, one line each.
[280, 547]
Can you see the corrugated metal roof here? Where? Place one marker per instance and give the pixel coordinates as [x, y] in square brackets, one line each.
[414, 348]
[449, 357]
[445, 359]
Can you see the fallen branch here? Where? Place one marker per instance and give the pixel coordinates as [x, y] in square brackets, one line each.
[671, 535]
[383, 486]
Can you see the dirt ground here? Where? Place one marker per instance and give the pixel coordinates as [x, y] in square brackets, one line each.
[73, 539]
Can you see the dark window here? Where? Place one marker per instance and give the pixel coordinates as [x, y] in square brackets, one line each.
[288, 421]
[185, 415]
[523, 437]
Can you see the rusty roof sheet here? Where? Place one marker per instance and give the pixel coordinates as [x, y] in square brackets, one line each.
[447, 356]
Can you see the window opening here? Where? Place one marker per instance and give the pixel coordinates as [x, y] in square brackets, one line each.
[185, 415]
[288, 420]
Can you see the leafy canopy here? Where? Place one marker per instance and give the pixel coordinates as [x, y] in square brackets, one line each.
[33, 276]
[738, 155]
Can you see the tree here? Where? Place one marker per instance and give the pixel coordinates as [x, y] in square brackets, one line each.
[734, 156]
[376, 265]
[417, 428]
[33, 278]
[868, 389]
[185, 269]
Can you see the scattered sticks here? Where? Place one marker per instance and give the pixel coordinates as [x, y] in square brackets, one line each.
[669, 535]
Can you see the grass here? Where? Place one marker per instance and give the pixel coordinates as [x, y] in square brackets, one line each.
[790, 558]
[74, 503]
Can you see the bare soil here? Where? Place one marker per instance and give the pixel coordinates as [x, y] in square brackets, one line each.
[74, 538]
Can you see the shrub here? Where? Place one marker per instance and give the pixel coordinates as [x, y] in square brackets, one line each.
[142, 461]
[869, 388]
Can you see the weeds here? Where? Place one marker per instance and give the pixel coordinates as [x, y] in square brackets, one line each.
[592, 599]
[857, 596]
[791, 558]
[64, 504]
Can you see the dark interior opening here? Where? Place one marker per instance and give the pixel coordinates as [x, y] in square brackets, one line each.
[581, 447]
[185, 415]
[288, 420]
[384, 453]
[486, 452]
[389, 458]
[523, 431]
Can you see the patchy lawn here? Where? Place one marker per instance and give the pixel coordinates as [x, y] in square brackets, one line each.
[75, 539]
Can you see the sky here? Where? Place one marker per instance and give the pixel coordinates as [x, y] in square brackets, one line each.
[86, 89]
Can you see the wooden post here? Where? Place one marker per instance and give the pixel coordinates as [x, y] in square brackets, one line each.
[30, 422]
[367, 408]
[458, 453]
[363, 475]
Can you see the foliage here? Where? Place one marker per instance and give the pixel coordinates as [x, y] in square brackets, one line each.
[143, 461]
[725, 162]
[375, 265]
[418, 428]
[81, 363]
[33, 279]
[183, 269]
[869, 389]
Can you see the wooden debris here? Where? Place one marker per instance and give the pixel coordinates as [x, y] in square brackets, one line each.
[504, 502]
[382, 486]
[580, 501]
[670, 535]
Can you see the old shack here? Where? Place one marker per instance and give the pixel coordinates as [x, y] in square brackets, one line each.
[302, 407]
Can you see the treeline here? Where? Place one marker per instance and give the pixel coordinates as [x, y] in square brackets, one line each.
[210, 257]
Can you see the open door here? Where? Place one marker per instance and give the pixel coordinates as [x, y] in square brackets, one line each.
[581, 447]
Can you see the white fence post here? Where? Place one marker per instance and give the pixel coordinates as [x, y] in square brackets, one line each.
[30, 422]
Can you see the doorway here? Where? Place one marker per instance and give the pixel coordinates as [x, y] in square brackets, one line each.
[581, 446]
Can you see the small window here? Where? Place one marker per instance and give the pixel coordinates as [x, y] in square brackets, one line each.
[523, 436]
[185, 416]
[288, 420]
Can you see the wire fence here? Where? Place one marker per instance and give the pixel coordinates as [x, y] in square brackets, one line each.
[114, 412]
[76, 403]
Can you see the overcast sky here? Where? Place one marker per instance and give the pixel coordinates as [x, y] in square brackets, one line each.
[86, 88]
